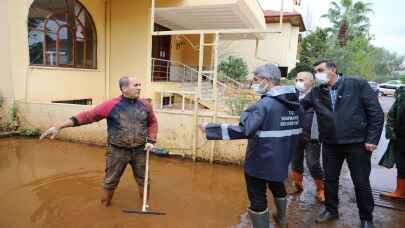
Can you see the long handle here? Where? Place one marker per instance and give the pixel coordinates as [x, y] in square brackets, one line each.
[146, 182]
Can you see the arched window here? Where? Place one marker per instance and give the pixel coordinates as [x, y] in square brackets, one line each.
[61, 33]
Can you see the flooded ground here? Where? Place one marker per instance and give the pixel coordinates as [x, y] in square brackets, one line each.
[57, 184]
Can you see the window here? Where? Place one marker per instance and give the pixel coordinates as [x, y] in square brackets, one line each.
[283, 71]
[79, 102]
[61, 33]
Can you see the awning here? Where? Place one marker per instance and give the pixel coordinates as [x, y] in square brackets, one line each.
[233, 14]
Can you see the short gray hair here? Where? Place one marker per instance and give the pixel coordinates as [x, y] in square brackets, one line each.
[123, 82]
[269, 71]
[307, 74]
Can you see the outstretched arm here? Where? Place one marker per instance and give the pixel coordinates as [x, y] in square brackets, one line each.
[54, 130]
[250, 121]
[98, 113]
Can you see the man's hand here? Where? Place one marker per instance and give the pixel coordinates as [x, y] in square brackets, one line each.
[202, 127]
[370, 147]
[52, 132]
[149, 146]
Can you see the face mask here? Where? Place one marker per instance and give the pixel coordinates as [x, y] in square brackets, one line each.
[259, 88]
[300, 86]
[322, 78]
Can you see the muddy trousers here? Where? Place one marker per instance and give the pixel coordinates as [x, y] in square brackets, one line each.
[312, 151]
[117, 159]
[359, 162]
[257, 192]
[400, 158]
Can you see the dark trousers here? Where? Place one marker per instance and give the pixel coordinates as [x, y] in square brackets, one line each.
[312, 151]
[257, 192]
[400, 157]
[117, 159]
[358, 160]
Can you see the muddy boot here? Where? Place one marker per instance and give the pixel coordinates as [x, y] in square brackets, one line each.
[281, 216]
[260, 219]
[106, 197]
[399, 192]
[320, 191]
[298, 181]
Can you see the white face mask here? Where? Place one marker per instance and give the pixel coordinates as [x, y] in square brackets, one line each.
[300, 86]
[259, 88]
[322, 78]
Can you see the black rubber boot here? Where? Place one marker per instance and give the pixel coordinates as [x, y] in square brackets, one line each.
[281, 216]
[260, 219]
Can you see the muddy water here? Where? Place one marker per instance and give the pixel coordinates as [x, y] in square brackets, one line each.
[57, 184]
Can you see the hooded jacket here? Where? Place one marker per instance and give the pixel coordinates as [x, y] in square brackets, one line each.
[272, 126]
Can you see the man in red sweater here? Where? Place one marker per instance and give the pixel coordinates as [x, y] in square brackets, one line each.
[132, 128]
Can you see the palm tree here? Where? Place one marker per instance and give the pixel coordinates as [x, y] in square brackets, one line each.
[349, 19]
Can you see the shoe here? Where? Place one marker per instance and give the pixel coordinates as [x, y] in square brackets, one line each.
[399, 192]
[367, 224]
[260, 219]
[106, 197]
[326, 216]
[320, 191]
[281, 216]
[297, 176]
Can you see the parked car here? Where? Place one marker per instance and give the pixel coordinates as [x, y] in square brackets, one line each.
[375, 87]
[386, 92]
[392, 84]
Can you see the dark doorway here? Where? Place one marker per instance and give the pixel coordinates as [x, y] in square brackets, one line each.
[161, 55]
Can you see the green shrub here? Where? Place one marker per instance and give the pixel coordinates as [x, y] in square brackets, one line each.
[30, 132]
[234, 67]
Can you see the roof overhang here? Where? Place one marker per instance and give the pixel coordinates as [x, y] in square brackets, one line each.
[294, 18]
[231, 14]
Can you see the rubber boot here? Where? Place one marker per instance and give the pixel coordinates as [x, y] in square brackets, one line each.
[281, 216]
[260, 219]
[298, 181]
[399, 192]
[106, 197]
[320, 190]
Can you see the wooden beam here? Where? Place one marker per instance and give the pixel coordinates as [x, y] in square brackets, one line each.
[215, 83]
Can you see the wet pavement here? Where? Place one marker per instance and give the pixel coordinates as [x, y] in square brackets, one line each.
[57, 184]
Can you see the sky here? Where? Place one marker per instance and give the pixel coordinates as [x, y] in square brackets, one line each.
[387, 21]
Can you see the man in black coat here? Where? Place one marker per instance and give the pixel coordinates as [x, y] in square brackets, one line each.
[350, 122]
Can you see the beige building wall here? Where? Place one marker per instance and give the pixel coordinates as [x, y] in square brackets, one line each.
[6, 82]
[188, 53]
[130, 43]
[276, 48]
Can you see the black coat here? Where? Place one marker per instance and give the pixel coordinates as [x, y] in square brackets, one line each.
[273, 127]
[357, 118]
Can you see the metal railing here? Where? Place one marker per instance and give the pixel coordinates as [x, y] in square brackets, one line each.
[172, 71]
